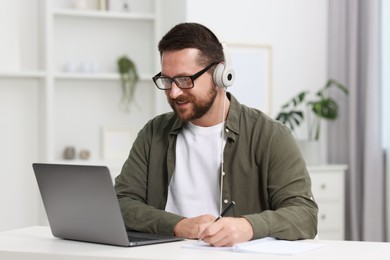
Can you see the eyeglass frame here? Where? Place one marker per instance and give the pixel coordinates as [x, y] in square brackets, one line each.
[192, 77]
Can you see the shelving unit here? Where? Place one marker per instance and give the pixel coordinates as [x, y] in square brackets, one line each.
[90, 99]
[75, 105]
[46, 108]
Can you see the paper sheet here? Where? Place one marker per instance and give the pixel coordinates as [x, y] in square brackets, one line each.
[266, 245]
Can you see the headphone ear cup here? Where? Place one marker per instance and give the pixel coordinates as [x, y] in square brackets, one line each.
[223, 77]
[224, 73]
[218, 75]
[228, 77]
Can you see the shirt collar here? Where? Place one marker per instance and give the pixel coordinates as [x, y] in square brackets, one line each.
[232, 120]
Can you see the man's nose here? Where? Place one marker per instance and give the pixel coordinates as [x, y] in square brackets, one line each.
[175, 91]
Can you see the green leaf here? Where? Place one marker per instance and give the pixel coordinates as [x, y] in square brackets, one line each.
[326, 108]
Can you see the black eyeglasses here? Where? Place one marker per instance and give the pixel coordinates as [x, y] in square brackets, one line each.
[183, 82]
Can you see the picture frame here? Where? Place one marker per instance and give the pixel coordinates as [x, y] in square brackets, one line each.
[252, 64]
[116, 142]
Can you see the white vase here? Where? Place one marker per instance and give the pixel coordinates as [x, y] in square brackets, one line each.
[311, 151]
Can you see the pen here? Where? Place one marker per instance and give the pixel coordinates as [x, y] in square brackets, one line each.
[232, 203]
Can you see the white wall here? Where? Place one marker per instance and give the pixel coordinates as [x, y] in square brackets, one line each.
[19, 102]
[296, 31]
[19, 141]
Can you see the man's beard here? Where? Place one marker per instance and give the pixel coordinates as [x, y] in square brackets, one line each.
[197, 109]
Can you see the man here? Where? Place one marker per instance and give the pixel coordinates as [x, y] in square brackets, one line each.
[176, 181]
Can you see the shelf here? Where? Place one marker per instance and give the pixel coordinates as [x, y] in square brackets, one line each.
[95, 76]
[68, 76]
[104, 14]
[23, 75]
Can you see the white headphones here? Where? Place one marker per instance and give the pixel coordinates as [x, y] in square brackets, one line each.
[223, 77]
[224, 73]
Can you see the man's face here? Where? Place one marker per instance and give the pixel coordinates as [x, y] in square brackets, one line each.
[188, 104]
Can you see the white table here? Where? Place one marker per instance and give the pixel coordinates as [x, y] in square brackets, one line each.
[36, 242]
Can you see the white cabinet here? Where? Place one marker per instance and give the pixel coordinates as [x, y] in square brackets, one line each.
[328, 186]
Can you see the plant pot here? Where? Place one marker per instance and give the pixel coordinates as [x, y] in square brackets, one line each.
[311, 151]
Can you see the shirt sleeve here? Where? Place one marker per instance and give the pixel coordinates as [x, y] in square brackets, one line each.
[293, 213]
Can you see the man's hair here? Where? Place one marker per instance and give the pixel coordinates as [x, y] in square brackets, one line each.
[193, 35]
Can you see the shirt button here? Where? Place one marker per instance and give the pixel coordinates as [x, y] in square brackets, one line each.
[225, 201]
[223, 173]
[227, 130]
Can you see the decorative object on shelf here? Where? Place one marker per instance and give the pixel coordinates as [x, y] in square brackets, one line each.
[89, 67]
[80, 4]
[70, 67]
[125, 6]
[129, 79]
[103, 5]
[119, 5]
[84, 154]
[69, 153]
[322, 107]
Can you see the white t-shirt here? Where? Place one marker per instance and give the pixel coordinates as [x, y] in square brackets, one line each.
[194, 188]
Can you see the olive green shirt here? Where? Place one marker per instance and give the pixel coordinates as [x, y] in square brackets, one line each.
[264, 174]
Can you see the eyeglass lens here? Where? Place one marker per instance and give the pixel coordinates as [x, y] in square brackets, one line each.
[181, 82]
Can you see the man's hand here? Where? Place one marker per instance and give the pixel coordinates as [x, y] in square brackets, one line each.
[189, 227]
[226, 231]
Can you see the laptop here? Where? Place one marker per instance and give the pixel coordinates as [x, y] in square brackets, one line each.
[81, 204]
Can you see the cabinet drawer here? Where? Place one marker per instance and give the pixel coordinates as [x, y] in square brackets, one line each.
[330, 216]
[327, 186]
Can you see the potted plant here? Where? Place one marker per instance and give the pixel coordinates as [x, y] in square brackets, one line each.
[321, 107]
[129, 79]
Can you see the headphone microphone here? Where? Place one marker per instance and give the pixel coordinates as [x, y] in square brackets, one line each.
[224, 74]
